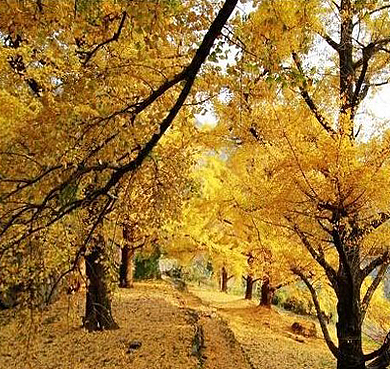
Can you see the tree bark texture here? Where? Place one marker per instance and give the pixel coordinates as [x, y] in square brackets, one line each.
[224, 279]
[349, 326]
[267, 293]
[249, 287]
[127, 267]
[98, 305]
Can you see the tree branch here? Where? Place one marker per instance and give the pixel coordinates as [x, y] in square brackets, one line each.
[372, 288]
[383, 217]
[320, 314]
[359, 84]
[188, 75]
[384, 349]
[384, 7]
[81, 251]
[318, 257]
[379, 9]
[115, 37]
[370, 227]
[31, 182]
[374, 47]
[384, 258]
[342, 254]
[283, 284]
[336, 5]
[309, 101]
[378, 84]
[330, 41]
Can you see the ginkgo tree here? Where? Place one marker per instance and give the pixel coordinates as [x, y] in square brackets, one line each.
[88, 89]
[220, 220]
[202, 227]
[296, 96]
[153, 196]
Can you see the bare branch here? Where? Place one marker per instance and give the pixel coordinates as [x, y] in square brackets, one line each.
[330, 41]
[383, 217]
[31, 181]
[320, 314]
[323, 226]
[336, 5]
[373, 47]
[384, 7]
[379, 9]
[26, 156]
[355, 99]
[373, 286]
[315, 195]
[309, 101]
[238, 43]
[378, 84]
[318, 257]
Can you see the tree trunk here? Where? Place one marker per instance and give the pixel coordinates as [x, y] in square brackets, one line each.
[126, 267]
[249, 287]
[224, 280]
[267, 293]
[98, 305]
[349, 330]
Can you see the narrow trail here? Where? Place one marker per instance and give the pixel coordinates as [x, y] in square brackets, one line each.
[220, 348]
[265, 335]
[160, 328]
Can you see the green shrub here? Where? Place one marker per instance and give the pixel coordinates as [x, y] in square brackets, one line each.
[146, 265]
[297, 299]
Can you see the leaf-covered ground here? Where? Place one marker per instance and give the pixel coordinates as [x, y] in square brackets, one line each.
[200, 329]
[266, 336]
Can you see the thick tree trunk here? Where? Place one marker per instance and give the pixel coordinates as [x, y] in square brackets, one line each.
[98, 305]
[224, 280]
[349, 330]
[249, 287]
[126, 267]
[267, 293]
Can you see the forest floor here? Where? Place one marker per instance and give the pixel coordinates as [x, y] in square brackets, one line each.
[190, 330]
[265, 335]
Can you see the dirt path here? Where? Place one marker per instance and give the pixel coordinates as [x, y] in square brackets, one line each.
[160, 328]
[221, 349]
[265, 335]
